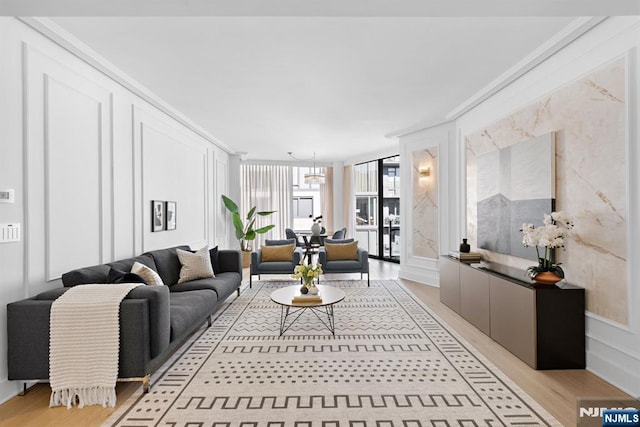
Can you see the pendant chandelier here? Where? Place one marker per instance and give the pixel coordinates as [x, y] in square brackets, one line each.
[315, 176]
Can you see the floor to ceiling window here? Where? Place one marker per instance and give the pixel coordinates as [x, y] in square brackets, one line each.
[377, 207]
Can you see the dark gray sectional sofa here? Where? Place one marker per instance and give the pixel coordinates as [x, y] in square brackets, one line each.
[154, 320]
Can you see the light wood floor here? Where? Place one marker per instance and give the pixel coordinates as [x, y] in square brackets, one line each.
[556, 391]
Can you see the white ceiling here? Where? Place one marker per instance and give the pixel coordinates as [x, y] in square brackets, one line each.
[331, 76]
[333, 85]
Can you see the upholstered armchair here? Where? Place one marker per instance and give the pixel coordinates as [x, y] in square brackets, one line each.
[275, 257]
[344, 256]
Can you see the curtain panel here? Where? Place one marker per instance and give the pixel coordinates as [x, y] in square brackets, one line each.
[269, 188]
[326, 199]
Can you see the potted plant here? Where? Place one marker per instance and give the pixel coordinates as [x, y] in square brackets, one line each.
[550, 236]
[244, 230]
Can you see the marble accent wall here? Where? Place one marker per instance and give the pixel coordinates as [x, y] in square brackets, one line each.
[424, 233]
[588, 117]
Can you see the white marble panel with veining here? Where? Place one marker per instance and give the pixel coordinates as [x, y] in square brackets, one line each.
[424, 203]
[589, 120]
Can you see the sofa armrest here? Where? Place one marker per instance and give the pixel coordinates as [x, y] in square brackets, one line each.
[230, 260]
[363, 257]
[28, 339]
[256, 259]
[159, 316]
[297, 255]
[322, 256]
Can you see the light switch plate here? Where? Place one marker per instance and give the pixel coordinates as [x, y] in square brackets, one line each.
[9, 233]
[7, 196]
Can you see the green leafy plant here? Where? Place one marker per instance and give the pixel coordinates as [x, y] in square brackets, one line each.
[244, 230]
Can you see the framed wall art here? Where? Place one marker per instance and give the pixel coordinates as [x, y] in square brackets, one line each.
[170, 215]
[516, 185]
[157, 215]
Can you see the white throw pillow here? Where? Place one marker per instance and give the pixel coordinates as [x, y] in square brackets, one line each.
[149, 276]
[195, 265]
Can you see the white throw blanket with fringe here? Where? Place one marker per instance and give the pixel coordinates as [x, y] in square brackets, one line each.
[84, 345]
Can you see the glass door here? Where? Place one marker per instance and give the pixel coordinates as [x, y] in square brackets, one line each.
[377, 207]
[390, 224]
[366, 206]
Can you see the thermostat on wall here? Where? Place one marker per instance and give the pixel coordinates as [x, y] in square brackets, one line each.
[7, 196]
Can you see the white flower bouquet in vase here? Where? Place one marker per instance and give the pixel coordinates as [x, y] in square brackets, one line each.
[550, 236]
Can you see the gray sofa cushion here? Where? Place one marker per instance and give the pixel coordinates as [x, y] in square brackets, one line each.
[189, 308]
[126, 264]
[350, 240]
[51, 294]
[224, 284]
[100, 273]
[279, 242]
[117, 276]
[342, 265]
[168, 263]
[81, 276]
[273, 266]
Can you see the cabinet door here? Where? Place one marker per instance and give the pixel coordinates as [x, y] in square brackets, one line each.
[450, 283]
[474, 297]
[513, 318]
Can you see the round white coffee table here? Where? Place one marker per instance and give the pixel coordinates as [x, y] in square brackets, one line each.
[291, 311]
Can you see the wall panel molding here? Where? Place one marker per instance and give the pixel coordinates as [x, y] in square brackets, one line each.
[613, 348]
[150, 130]
[56, 99]
[65, 39]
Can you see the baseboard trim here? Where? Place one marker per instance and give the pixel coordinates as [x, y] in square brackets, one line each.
[425, 276]
[608, 363]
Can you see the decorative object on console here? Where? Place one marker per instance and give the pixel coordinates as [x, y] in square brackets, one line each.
[550, 236]
[465, 248]
[170, 217]
[516, 185]
[468, 257]
[157, 215]
[246, 233]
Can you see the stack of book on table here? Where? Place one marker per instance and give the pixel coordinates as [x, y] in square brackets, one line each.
[469, 257]
[306, 298]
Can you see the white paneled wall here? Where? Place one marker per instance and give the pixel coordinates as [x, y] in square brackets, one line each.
[86, 156]
[413, 266]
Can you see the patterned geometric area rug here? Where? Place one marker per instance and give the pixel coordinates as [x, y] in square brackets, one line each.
[392, 363]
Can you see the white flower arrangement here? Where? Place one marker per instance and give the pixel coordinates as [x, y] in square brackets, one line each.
[550, 236]
[307, 272]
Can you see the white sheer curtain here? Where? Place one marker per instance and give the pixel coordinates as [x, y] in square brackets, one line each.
[269, 188]
[326, 200]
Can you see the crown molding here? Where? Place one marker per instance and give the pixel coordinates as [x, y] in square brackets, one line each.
[320, 8]
[567, 35]
[60, 36]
